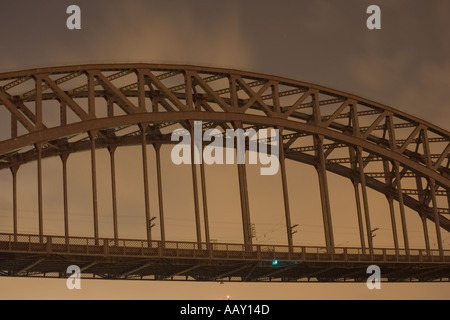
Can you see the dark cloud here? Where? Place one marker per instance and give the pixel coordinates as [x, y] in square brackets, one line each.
[324, 42]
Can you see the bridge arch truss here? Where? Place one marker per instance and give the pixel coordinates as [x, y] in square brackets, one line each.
[55, 112]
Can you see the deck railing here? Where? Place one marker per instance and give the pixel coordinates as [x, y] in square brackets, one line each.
[218, 251]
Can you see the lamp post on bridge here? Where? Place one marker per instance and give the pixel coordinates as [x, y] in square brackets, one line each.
[372, 233]
[292, 229]
[151, 225]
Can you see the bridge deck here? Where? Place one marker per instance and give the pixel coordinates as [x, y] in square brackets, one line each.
[31, 255]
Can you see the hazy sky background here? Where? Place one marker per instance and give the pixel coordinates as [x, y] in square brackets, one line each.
[405, 65]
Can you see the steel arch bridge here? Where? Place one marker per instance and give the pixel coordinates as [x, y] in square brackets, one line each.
[325, 128]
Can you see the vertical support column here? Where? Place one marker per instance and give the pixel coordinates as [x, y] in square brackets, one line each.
[362, 177]
[64, 157]
[324, 192]
[160, 192]
[360, 217]
[146, 185]
[285, 192]
[432, 185]
[402, 205]
[423, 215]
[390, 198]
[195, 182]
[243, 189]
[39, 147]
[92, 135]
[40, 196]
[436, 217]
[205, 204]
[355, 183]
[14, 171]
[393, 223]
[112, 156]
